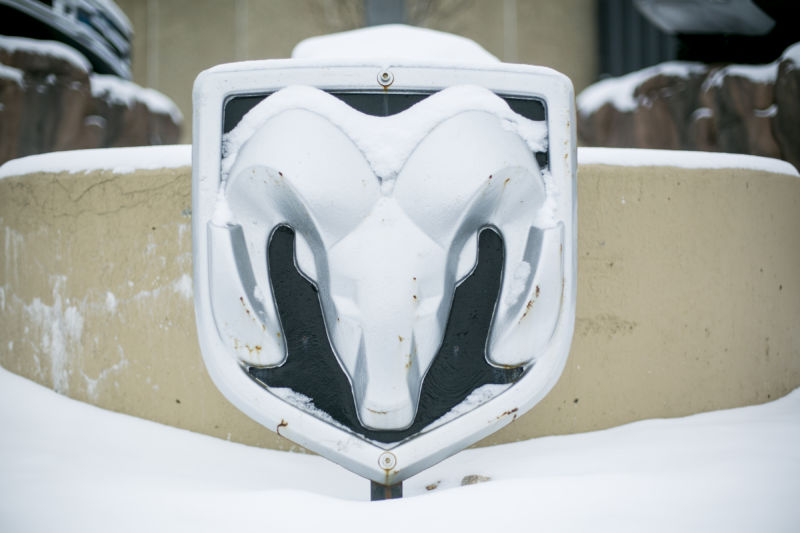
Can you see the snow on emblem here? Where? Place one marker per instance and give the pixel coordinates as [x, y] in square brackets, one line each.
[383, 219]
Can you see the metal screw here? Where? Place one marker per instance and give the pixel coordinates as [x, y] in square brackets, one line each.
[385, 78]
[387, 460]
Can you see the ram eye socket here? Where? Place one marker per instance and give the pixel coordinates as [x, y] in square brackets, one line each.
[311, 368]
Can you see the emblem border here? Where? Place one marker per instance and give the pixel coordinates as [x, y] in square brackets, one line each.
[393, 463]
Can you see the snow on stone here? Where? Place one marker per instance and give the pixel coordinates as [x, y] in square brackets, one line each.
[386, 142]
[763, 74]
[183, 286]
[734, 471]
[117, 160]
[45, 48]
[792, 53]
[57, 331]
[619, 92]
[767, 112]
[641, 157]
[393, 41]
[11, 73]
[117, 90]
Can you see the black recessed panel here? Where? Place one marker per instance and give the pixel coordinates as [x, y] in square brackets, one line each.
[311, 367]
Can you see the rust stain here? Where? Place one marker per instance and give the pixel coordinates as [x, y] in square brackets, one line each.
[252, 349]
[280, 173]
[400, 338]
[377, 412]
[244, 305]
[506, 182]
[527, 308]
[490, 177]
[415, 297]
[408, 361]
[509, 412]
[278, 334]
[537, 291]
[283, 424]
[433, 485]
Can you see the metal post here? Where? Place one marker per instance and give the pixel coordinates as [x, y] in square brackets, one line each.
[385, 492]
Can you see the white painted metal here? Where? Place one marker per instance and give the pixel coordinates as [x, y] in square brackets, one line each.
[364, 237]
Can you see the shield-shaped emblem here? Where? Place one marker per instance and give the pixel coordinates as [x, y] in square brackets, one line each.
[384, 257]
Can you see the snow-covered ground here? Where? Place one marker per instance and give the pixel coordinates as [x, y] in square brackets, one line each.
[67, 466]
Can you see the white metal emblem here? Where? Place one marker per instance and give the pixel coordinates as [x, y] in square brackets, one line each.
[384, 217]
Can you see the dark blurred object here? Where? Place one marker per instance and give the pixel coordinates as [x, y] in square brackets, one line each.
[96, 28]
[50, 100]
[739, 17]
[726, 31]
[690, 106]
[627, 41]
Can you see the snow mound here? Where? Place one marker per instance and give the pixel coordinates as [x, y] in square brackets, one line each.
[393, 41]
[45, 48]
[735, 470]
[642, 157]
[117, 90]
[118, 160]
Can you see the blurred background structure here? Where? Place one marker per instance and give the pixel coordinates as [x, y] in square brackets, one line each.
[164, 44]
[176, 39]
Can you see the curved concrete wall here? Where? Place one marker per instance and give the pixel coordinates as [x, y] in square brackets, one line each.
[688, 297]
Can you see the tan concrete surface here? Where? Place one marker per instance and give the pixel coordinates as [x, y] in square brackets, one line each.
[688, 297]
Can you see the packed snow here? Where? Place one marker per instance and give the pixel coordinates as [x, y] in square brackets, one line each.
[643, 157]
[45, 48]
[386, 142]
[117, 160]
[117, 90]
[94, 470]
[393, 41]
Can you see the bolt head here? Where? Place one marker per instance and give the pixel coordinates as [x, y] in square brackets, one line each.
[387, 460]
[385, 78]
